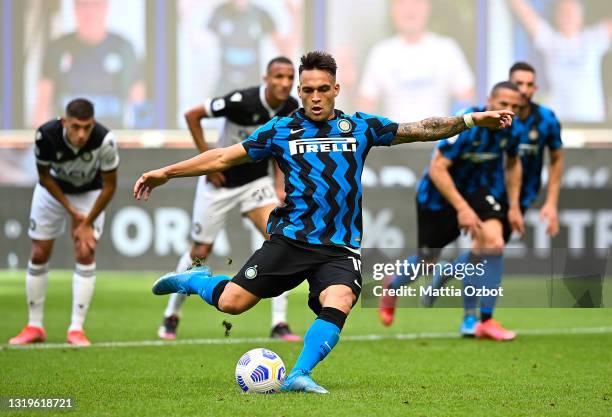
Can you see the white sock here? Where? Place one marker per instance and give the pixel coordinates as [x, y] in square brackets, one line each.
[279, 308]
[175, 301]
[184, 263]
[36, 287]
[83, 282]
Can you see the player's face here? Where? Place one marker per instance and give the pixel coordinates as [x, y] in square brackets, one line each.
[78, 131]
[411, 16]
[90, 17]
[318, 91]
[279, 80]
[505, 99]
[525, 81]
[570, 18]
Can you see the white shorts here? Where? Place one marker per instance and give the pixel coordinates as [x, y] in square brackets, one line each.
[48, 217]
[212, 205]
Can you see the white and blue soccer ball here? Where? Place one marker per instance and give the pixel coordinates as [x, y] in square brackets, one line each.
[260, 370]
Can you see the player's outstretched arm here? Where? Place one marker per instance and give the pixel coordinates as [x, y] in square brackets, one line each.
[435, 128]
[527, 14]
[214, 160]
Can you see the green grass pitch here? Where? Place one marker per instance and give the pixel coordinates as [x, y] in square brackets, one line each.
[553, 372]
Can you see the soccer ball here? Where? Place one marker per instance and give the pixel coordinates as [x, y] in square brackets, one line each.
[260, 370]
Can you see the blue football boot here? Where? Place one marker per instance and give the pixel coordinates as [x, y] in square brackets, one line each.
[301, 381]
[181, 282]
[468, 326]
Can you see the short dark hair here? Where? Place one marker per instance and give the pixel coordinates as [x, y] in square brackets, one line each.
[318, 60]
[278, 60]
[80, 108]
[521, 66]
[504, 85]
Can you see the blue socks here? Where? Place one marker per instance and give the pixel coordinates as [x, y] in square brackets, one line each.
[205, 285]
[321, 337]
[469, 301]
[400, 280]
[494, 268]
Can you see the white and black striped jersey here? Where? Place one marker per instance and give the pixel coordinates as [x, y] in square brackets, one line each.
[245, 111]
[76, 170]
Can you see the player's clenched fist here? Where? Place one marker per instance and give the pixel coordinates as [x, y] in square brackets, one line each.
[148, 181]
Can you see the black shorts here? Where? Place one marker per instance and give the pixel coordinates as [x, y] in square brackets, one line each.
[281, 264]
[438, 228]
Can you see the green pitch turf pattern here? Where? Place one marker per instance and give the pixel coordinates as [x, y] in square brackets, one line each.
[552, 374]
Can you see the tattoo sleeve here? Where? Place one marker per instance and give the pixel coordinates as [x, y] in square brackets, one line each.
[430, 129]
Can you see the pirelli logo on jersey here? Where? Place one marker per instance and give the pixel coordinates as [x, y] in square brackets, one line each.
[316, 145]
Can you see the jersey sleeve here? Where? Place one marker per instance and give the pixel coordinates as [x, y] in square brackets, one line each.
[598, 38]
[452, 148]
[226, 106]
[371, 84]
[259, 145]
[109, 156]
[514, 141]
[553, 141]
[131, 67]
[545, 37]
[42, 150]
[50, 63]
[266, 21]
[215, 20]
[383, 130]
[461, 78]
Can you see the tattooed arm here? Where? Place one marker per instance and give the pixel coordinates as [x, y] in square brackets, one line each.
[436, 128]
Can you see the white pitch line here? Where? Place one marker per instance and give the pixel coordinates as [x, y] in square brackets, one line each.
[351, 338]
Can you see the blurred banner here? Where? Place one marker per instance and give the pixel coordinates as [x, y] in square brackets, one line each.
[143, 63]
[151, 236]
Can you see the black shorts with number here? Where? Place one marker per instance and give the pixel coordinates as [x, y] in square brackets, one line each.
[281, 264]
[438, 228]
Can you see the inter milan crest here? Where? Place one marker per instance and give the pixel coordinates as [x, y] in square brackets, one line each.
[344, 125]
[251, 272]
[533, 134]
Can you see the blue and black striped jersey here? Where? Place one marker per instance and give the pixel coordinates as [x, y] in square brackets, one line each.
[540, 130]
[478, 162]
[322, 163]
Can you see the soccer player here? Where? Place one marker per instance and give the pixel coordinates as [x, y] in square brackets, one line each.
[316, 234]
[91, 52]
[464, 189]
[249, 186]
[77, 162]
[572, 55]
[540, 129]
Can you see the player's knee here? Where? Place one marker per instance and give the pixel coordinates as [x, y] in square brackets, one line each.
[85, 256]
[200, 251]
[494, 245]
[338, 296]
[231, 303]
[40, 255]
